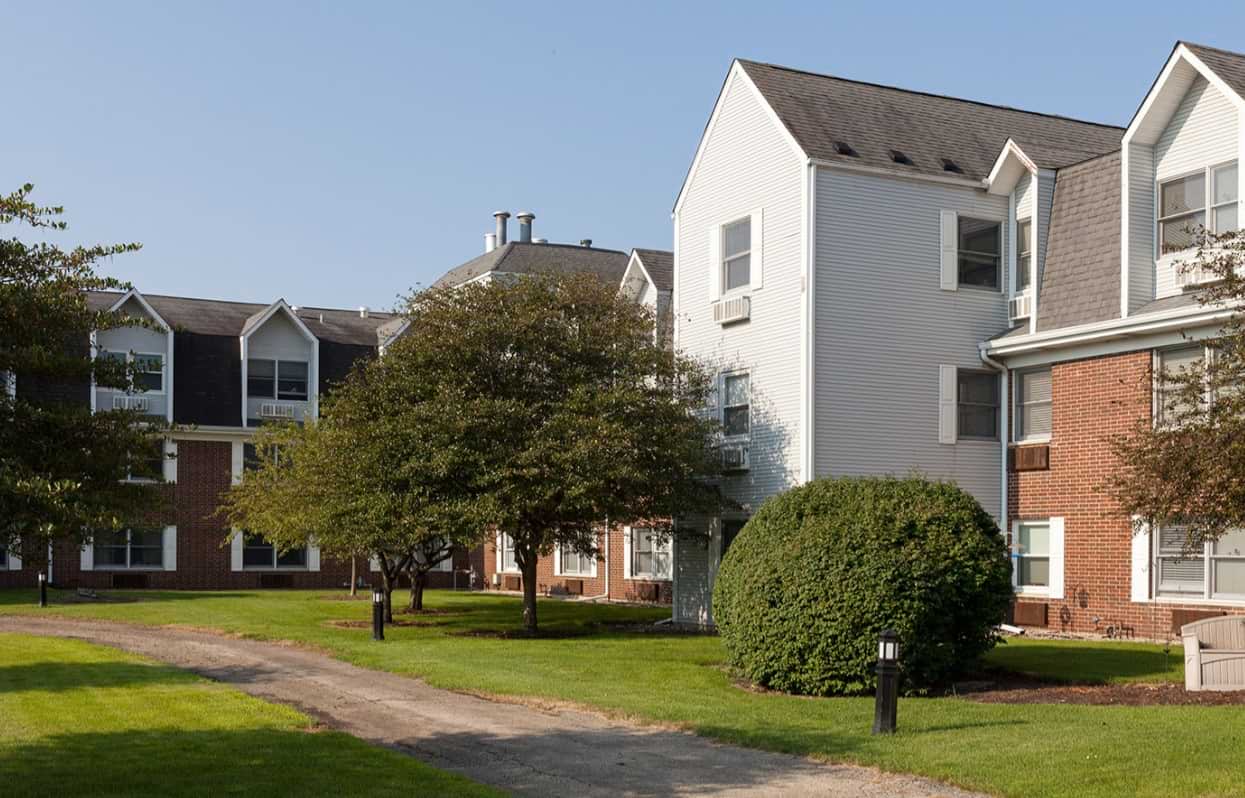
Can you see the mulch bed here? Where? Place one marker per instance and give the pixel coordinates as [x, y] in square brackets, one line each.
[1011, 689]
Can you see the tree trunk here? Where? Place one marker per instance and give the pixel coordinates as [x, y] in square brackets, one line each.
[387, 586]
[419, 580]
[354, 577]
[528, 569]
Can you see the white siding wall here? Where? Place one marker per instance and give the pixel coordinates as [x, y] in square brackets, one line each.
[279, 339]
[1140, 225]
[746, 163]
[1044, 200]
[1024, 197]
[883, 328]
[1203, 132]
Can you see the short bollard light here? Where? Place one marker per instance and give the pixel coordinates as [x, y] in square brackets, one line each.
[887, 704]
[378, 614]
[43, 589]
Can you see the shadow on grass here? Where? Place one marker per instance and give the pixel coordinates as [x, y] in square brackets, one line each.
[57, 676]
[19, 597]
[269, 762]
[1086, 662]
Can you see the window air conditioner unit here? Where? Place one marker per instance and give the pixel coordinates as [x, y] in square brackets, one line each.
[118, 403]
[1020, 306]
[1188, 278]
[139, 403]
[274, 410]
[735, 458]
[729, 311]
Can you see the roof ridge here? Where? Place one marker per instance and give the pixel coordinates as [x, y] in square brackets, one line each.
[259, 305]
[566, 246]
[930, 93]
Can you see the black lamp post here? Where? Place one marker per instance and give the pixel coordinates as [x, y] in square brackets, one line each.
[887, 703]
[43, 589]
[378, 614]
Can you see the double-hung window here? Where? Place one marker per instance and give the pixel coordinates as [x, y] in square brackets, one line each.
[1207, 571]
[977, 404]
[260, 553]
[737, 254]
[980, 248]
[505, 546]
[1033, 553]
[1024, 255]
[148, 464]
[736, 405]
[1183, 205]
[276, 379]
[575, 563]
[650, 554]
[148, 368]
[1033, 405]
[129, 548]
[1171, 398]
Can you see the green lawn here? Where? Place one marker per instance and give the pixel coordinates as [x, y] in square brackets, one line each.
[1030, 750]
[78, 719]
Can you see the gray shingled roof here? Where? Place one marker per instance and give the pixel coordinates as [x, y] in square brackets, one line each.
[517, 257]
[660, 266]
[1081, 280]
[221, 317]
[820, 110]
[1227, 65]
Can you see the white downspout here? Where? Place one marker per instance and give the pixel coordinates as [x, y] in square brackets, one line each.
[1004, 412]
[606, 594]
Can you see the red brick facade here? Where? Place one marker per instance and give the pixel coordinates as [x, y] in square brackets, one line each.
[1092, 400]
[619, 588]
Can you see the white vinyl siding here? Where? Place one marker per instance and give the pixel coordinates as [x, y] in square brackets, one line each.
[141, 344]
[747, 164]
[1202, 133]
[278, 340]
[1141, 246]
[884, 326]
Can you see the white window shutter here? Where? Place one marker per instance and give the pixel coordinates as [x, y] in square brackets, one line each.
[15, 562]
[236, 455]
[627, 552]
[715, 263]
[947, 412]
[170, 462]
[1140, 587]
[557, 559]
[1056, 558]
[313, 557]
[949, 279]
[170, 548]
[86, 560]
[497, 552]
[1014, 552]
[756, 265]
[235, 551]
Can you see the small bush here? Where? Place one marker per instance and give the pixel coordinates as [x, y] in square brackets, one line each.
[820, 570]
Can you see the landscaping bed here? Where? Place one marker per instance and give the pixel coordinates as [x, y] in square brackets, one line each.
[1011, 689]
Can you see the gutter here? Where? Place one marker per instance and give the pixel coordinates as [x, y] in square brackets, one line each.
[1105, 331]
[1004, 407]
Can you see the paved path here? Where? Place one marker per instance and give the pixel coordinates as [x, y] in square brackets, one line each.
[517, 748]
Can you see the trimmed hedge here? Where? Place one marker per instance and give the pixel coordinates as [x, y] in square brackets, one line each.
[820, 570]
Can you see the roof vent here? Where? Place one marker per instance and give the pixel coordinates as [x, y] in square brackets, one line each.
[585, 242]
[363, 311]
[949, 165]
[540, 241]
[843, 148]
[899, 157]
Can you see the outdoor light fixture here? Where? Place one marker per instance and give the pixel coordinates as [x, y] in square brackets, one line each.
[887, 702]
[378, 614]
[43, 589]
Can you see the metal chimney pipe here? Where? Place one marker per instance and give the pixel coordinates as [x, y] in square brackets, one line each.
[490, 242]
[585, 242]
[502, 217]
[525, 226]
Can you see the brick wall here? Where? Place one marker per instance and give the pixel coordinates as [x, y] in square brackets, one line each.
[1091, 401]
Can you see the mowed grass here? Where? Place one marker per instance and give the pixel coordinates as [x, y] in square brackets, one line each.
[78, 719]
[682, 680]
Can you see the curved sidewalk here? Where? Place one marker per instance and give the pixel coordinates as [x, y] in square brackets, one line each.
[514, 747]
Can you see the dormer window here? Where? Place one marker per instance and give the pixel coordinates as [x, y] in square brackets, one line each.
[737, 254]
[276, 379]
[1024, 244]
[150, 367]
[1183, 203]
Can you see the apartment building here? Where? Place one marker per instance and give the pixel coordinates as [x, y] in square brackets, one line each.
[894, 282]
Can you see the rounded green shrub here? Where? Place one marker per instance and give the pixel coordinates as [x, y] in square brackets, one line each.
[820, 570]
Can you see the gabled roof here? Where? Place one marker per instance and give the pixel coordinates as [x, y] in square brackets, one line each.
[1227, 65]
[1224, 70]
[222, 317]
[516, 257]
[257, 320]
[658, 264]
[874, 121]
[147, 308]
[1081, 278]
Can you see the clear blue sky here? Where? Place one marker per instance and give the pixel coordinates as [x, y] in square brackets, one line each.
[340, 153]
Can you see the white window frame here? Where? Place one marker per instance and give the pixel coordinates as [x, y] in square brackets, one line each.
[1208, 557]
[1208, 206]
[1000, 256]
[130, 358]
[998, 405]
[659, 545]
[503, 542]
[560, 570]
[276, 379]
[1024, 244]
[1018, 404]
[722, 405]
[723, 260]
[1055, 557]
[129, 554]
[276, 555]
